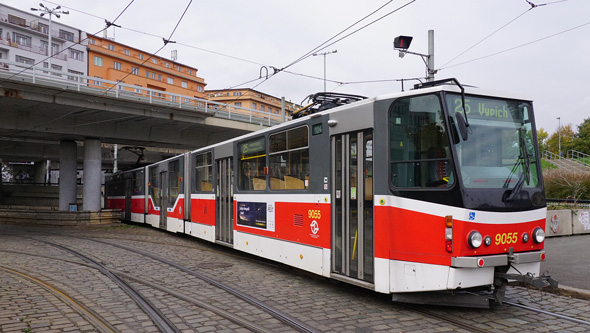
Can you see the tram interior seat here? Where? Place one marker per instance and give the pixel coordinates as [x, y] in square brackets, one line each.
[293, 183]
[258, 184]
[206, 186]
[369, 188]
[277, 184]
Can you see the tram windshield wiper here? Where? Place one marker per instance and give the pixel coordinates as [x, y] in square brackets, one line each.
[524, 160]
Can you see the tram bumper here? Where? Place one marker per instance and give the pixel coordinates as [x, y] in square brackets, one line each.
[521, 268]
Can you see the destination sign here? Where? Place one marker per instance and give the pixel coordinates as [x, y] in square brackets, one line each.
[490, 109]
[252, 147]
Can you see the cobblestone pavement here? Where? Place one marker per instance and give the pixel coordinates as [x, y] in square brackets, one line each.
[27, 306]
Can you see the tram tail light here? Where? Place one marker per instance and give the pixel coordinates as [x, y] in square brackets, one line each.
[449, 233]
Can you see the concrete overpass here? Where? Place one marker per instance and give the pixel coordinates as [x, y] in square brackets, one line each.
[47, 116]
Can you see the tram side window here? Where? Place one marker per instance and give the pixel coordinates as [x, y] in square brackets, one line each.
[154, 187]
[138, 183]
[419, 148]
[203, 180]
[252, 165]
[173, 182]
[289, 159]
[116, 186]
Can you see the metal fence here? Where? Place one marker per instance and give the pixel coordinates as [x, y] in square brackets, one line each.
[98, 86]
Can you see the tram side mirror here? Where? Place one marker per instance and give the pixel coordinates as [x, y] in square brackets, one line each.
[454, 132]
[462, 126]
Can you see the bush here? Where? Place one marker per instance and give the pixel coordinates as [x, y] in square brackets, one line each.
[565, 184]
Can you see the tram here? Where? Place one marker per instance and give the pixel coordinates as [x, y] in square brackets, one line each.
[432, 195]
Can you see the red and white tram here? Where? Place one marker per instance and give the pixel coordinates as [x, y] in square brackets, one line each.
[421, 194]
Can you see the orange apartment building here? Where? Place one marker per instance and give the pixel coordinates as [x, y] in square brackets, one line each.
[113, 61]
[251, 99]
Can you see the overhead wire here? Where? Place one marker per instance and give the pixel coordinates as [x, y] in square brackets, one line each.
[532, 6]
[107, 90]
[519, 46]
[324, 46]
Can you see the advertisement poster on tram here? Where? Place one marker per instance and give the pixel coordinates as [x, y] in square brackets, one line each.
[254, 214]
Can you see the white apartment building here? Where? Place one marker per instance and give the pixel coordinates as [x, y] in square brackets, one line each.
[24, 39]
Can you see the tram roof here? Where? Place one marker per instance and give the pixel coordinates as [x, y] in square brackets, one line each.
[470, 90]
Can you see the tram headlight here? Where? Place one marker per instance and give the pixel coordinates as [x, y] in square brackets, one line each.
[538, 235]
[474, 239]
[525, 237]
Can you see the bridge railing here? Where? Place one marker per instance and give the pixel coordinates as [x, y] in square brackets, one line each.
[579, 157]
[117, 89]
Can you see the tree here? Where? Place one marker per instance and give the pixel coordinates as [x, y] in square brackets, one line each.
[581, 141]
[542, 137]
[567, 137]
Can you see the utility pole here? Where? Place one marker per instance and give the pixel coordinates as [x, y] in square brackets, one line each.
[54, 11]
[402, 43]
[324, 54]
[559, 135]
[430, 65]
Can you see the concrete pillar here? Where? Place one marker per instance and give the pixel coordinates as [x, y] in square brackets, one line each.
[67, 174]
[92, 177]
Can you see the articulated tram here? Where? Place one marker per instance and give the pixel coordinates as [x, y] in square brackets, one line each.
[430, 195]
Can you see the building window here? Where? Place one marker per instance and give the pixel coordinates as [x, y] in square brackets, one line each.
[76, 73]
[97, 61]
[140, 56]
[155, 61]
[153, 76]
[184, 84]
[238, 103]
[237, 93]
[97, 82]
[254, 106]
[44, 28]
[126, 52]
[159, 77]
[111, 47]
[138, 89]
[190, 72]
[21, 39]
[66, 35]
[200, 89]
[134, 70]
[117, 65]
[24, 60]
[75, 54]
[147, 74]
[17, 20]
[167, 65]
[91, 41]
[170, 80]
[262, 108]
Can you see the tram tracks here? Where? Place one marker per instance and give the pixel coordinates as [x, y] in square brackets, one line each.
[157, 317]
[96, 320]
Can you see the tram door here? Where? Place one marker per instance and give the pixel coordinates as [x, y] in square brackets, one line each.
[352, 208]
[128, 194]
[224, 202]
[164, 193]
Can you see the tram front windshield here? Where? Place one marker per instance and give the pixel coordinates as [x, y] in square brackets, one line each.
[499, 152]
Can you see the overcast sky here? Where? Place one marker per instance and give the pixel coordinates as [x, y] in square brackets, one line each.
[541, 52]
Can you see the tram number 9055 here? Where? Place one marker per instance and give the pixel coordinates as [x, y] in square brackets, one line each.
[507, 238]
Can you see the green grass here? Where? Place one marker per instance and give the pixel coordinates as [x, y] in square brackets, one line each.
[547, 165]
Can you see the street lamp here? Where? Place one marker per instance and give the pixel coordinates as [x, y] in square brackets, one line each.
[559, 135]
[51, 11]
[324, 54]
